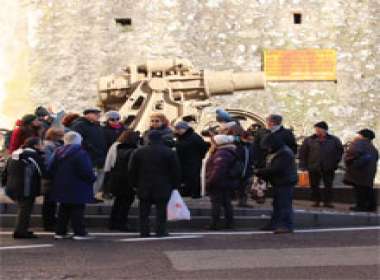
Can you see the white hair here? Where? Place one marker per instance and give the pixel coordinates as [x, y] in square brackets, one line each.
[72, 138]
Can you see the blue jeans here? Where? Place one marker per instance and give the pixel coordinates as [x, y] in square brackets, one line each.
[282, 216]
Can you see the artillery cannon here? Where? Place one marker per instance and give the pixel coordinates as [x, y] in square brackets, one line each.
[173, 87]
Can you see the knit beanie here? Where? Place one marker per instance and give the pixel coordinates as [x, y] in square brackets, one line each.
[223, 116]
[182, 125]
[367, 133]
[112, 115]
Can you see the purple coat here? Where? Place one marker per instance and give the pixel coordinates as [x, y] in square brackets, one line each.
[72, 174]
[218, 169]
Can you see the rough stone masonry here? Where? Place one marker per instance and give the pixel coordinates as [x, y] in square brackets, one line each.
[55, 51]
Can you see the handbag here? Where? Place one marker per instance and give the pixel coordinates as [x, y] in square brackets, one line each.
[303, 179]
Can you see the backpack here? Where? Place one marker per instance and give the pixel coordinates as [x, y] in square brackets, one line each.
[239, 166]
[19, 176]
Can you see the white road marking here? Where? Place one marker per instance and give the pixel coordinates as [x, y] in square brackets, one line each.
[121, 234]
[139, 239]
[26, 246]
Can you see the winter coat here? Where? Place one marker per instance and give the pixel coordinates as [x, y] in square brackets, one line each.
[117, 178]
[166, 135]
[72, 175]
[191, 149]
[111, 134]
[20, 134]
[21, 181]
[154, 170]
[217, 169]
[361, 164]
[281, 166]
[287, 136]
[258, 151]
[320, 155]
[93, 140]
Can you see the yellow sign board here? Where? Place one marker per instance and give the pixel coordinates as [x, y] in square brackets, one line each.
[300, 65]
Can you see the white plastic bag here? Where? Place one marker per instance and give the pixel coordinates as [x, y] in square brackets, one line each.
[177, 209]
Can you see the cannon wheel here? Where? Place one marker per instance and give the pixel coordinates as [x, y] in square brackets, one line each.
[246, 118]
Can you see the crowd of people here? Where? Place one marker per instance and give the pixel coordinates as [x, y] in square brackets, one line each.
[78, 160]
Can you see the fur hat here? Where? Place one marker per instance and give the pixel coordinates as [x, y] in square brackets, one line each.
[223, 139]
[72, 138]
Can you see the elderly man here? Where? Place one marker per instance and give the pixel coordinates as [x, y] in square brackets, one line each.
[361, 165]
[320, 155]
[274, 124]
[93, 142]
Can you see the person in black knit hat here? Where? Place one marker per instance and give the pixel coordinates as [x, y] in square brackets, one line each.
[361, 165]
[320, 155]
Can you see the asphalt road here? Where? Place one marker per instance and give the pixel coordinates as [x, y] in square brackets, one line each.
[331, 254]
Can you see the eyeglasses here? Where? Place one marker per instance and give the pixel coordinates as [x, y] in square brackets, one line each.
[114, 120]
[155, 121]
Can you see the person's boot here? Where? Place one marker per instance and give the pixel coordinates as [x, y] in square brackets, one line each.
[24, 235]
[282, 231]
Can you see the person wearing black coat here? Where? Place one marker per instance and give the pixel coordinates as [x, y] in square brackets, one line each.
[191, 149]
[23, 174]
[93, 136]
[361, 165]
[94, 143]
[281, 172]
[118, 182]
[274, 124]
[320, 155]
[154, 170]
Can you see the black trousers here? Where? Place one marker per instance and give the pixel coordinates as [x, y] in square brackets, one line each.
[282, 216]
[328, 180]
[219, 199]
[71, 212]
[120, 210]
[24, 212]
[192, 183]
[365, 198]
[49, 208]
[145, 206]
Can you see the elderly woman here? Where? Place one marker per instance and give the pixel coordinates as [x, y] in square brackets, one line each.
[112, 127]
[160, 123]
[73, 177]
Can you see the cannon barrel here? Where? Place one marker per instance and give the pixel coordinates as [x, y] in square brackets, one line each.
[226, 82]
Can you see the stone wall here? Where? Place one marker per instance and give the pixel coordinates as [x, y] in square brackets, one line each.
[70, 44]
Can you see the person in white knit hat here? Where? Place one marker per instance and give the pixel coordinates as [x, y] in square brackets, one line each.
[222, 179]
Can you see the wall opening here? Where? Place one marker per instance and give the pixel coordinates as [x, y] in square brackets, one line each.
[297, 18]
[124, 21]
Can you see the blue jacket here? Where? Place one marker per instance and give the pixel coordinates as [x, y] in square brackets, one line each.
[72, 175]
